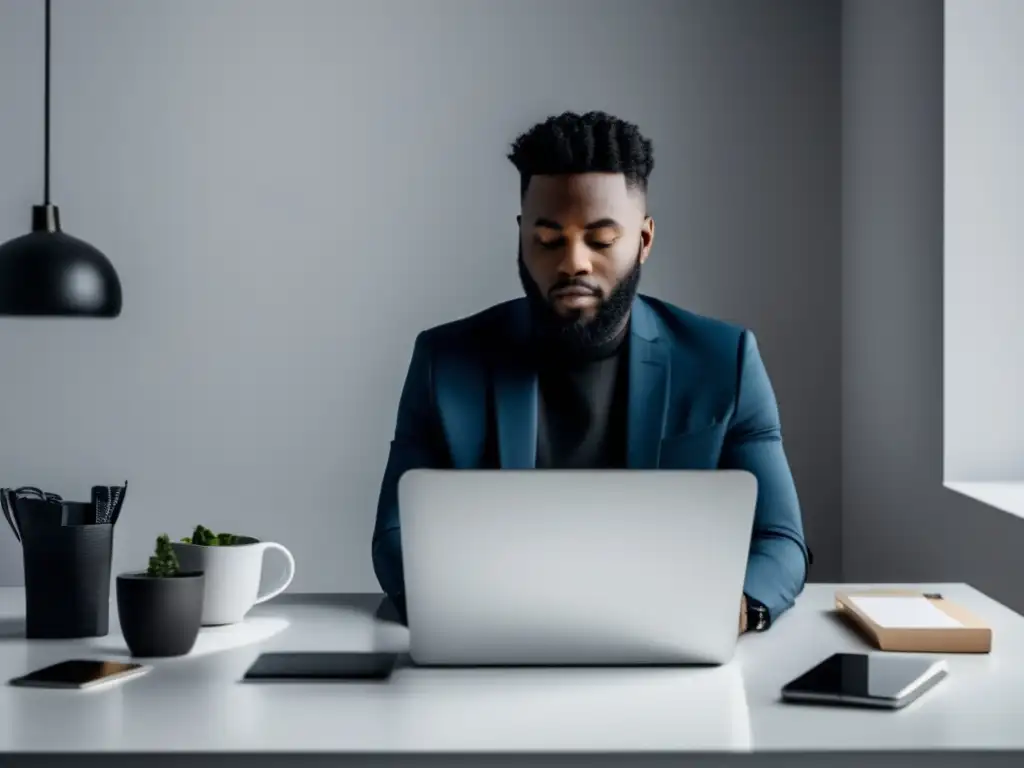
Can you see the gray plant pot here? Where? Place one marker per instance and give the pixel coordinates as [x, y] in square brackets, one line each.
[160, 616]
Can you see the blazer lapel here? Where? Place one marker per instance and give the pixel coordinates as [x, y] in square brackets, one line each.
[515, 396]
[515, 402]
[648, 389]
[461, 391]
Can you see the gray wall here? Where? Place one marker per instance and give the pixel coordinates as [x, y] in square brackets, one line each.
[291, 190]
[984, 183]
[898, 522]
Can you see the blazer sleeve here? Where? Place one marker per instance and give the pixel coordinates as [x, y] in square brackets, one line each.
[779, 558]
[416, 444]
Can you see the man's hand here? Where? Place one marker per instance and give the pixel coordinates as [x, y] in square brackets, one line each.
[743, 614]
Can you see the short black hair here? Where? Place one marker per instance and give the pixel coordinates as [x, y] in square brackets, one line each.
[595, 142]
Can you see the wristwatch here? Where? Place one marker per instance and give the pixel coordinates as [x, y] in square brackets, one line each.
[758, 619]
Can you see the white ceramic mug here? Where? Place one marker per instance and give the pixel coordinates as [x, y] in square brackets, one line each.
[233, 574]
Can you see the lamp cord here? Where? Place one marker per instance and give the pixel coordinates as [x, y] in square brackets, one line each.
[46, 118]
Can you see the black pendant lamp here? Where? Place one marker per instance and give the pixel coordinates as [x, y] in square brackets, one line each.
[48, 272]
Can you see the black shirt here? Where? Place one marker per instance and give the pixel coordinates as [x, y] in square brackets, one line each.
[581, 415]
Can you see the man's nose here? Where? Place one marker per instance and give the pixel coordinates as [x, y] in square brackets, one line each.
[576, 259]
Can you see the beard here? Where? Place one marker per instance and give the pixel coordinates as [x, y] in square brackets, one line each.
[575, 332]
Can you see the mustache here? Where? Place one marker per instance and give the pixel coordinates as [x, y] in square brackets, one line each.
[575, 282]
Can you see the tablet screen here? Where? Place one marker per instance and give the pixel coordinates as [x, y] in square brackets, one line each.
[322, 665]
[865, 676]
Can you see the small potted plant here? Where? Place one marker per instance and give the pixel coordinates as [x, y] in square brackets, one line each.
[160, 609]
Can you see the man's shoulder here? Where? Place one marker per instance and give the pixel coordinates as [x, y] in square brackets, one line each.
[693, 331]
[714, 347]
[486, 327]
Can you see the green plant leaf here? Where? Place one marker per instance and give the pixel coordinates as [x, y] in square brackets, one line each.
[205, 537]
[163, 562]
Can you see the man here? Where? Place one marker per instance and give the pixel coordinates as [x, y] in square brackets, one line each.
[585, 373]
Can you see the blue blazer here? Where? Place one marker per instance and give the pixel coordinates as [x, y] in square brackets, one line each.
[698, 398]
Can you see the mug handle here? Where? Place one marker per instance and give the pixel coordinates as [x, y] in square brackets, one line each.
[287, 579]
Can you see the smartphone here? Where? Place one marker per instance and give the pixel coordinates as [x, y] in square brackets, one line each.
[311, 666]
[81, 674]
[871, 680]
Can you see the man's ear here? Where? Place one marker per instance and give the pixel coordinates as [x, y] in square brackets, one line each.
[646, 238]
[519, 220]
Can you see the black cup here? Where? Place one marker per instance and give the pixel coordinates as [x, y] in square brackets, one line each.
[67, 580]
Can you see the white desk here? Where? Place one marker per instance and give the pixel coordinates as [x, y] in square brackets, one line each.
[194, 704]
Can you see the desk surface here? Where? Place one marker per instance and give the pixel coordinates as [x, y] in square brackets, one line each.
[196, 704]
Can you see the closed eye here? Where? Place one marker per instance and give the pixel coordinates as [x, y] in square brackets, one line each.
[552, 245]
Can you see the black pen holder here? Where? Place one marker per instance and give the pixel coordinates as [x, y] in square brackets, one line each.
[67, 580]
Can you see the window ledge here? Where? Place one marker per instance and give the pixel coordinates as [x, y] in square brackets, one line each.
[1007, 496]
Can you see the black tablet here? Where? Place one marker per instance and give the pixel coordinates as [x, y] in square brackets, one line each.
[321, 665]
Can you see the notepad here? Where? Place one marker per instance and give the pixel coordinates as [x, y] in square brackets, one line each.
[898, 612]
[909, 621]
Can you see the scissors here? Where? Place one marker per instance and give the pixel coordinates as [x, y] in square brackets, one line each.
[108, 500]
[118, 501]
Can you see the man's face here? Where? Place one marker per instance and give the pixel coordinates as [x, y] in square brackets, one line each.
[582, 240]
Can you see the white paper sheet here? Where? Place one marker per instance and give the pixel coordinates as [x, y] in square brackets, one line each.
[904, 612]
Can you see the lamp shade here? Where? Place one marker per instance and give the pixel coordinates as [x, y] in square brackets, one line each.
[50, 273]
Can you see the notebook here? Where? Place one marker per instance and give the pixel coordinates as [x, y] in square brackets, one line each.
[899, 620]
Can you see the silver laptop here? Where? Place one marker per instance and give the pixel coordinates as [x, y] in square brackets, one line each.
[574, 567]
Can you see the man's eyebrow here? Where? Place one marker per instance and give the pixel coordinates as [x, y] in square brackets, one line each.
[547, 223]
[605, 223]
[599, 224]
